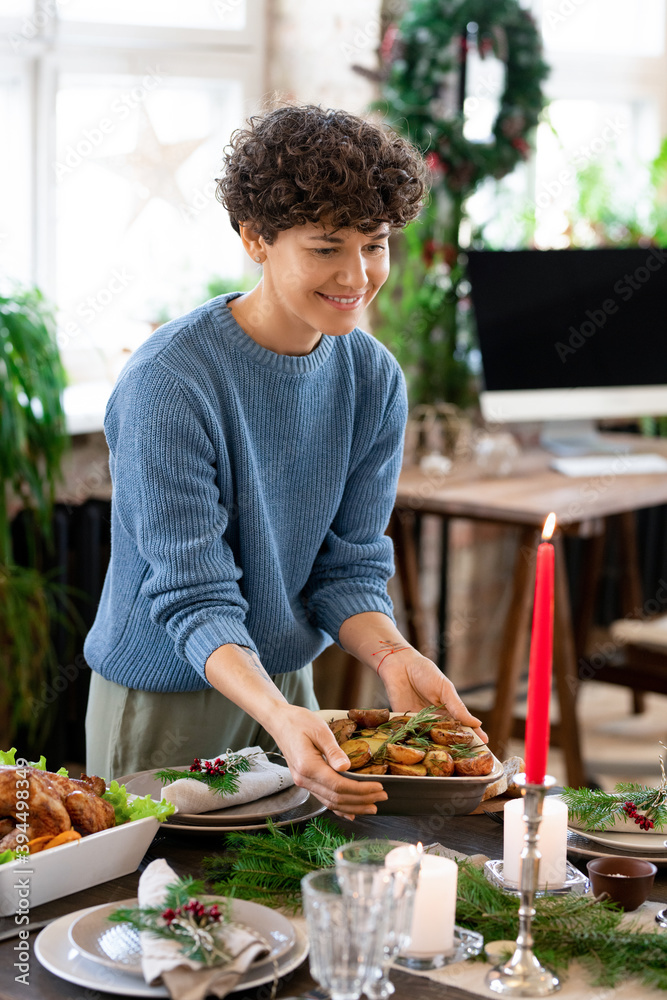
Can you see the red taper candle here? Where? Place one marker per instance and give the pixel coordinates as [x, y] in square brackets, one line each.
[541, 655]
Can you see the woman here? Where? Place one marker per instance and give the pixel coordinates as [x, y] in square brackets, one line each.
[255, 446]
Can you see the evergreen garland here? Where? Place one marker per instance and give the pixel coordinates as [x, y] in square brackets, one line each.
[268, 868]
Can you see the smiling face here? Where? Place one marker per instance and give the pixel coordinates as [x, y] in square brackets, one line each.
[317, 280]
[326, 278]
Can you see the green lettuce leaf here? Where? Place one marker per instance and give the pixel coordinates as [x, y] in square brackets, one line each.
[8, 757]
[127, 810]
[6, 856]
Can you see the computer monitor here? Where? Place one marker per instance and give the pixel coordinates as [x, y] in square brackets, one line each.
[571, 336]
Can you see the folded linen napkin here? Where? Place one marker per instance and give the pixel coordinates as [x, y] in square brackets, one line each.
[185, 978]
[264, 778]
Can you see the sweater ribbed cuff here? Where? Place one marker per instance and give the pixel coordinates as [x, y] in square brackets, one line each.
[211, 634]
[344, 606]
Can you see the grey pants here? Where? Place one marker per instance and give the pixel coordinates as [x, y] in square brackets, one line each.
[129, 730]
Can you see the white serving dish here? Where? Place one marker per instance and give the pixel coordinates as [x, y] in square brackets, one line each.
[71, 867]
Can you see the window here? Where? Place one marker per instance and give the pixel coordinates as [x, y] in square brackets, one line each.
[608, 113]
[127, 105]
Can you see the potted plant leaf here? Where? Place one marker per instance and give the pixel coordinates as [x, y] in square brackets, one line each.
[32, 442]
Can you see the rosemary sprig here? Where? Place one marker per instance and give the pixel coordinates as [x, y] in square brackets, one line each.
[463, 751]
[225, 781]
[268, 867]
[414, 728]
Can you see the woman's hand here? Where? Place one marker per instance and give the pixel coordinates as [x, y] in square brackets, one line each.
[315, 760]
[413, 681]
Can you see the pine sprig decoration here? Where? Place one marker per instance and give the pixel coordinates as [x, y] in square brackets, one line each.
[194, 924]
[222, 775]
[268, 868]
[596, 810]
[566, 928]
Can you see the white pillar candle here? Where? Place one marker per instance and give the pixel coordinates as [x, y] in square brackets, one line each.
[552, 842]
[432, 931]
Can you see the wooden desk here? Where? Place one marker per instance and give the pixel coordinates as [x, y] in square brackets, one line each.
[582, 506]
[468, 834]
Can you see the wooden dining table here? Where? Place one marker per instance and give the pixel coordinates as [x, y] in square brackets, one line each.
[466, 834]
[585, 507]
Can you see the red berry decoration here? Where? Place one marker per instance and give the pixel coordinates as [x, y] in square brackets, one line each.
[193, 910]
[215, 767]
[644, 823]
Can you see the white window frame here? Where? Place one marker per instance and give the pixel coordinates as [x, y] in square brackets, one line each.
[59, 47]
[583, 76]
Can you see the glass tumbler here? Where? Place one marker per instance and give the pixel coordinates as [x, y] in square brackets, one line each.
[343, 931]
[363, 868]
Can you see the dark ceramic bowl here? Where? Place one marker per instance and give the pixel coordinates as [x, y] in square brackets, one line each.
[627, 881]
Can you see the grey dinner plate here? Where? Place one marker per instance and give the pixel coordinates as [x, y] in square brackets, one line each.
[147, 783]
[117, 945]
[311, 807]
[578, 843]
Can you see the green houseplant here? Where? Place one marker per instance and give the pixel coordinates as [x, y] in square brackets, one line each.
[32, 443]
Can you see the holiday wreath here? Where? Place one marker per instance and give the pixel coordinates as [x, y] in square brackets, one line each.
[423, 52]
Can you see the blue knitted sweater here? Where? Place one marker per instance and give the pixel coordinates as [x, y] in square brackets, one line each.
[251, 492]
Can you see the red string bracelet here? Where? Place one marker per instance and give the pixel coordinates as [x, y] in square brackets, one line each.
[386, 654]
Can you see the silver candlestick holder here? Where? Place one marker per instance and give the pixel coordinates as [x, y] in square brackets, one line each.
[522, 975]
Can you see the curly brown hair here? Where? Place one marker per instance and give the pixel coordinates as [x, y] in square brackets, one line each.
[295, 165]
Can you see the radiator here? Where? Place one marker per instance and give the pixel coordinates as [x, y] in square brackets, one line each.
[78, 557]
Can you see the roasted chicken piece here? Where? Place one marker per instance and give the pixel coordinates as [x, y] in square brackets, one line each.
[95, 786]
[43, 809]
[7, 824]
[88, 812]
[54, 804]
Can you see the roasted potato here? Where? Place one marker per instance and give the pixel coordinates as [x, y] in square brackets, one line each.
[342, 729]
[398, 753]
[450, 737]
[442, 750]
[374, 742]
[369, 718]
[358, 751]
[469, 767]
[398, 721]
[439, 764]
[408, 769]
